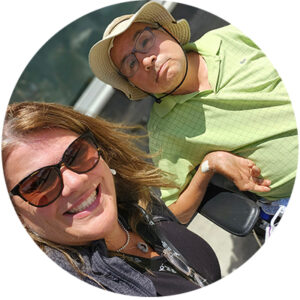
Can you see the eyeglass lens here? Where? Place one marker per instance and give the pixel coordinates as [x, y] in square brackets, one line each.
[81, 156]
[44, 186]
[143, 44]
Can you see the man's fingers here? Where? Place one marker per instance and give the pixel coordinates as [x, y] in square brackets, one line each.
[261, 185]
[262, 181]
[261, 188]
[255, 171]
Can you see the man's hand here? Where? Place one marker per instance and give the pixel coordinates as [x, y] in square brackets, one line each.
[243, 172]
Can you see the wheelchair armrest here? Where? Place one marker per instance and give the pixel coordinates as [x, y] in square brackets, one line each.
[233, 212]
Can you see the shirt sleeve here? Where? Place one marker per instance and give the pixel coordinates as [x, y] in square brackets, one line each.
[171, 156]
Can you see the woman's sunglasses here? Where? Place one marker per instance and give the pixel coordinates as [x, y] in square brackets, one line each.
[44, 186]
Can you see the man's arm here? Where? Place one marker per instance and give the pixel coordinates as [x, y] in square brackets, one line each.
[190, 199]
[243, 172]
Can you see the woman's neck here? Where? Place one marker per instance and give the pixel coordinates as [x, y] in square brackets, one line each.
[118, 238]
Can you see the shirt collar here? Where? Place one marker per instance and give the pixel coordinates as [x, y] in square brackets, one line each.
[207, 45]
[168, 103]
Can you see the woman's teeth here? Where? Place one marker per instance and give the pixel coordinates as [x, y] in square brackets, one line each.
[84, 204]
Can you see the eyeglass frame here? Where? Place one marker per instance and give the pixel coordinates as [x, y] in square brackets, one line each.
[57, 167]
[158, 100]
[134, 50]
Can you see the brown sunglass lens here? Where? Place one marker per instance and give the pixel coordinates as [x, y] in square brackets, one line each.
[82, 155]
[42, 187]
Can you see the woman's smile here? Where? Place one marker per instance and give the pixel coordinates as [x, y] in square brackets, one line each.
[83, 207]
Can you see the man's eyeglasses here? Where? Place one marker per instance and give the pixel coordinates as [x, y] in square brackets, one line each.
[44, 186]
[143, 43]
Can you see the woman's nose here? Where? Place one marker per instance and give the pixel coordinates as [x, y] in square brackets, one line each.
[72, 181]
[148, 62]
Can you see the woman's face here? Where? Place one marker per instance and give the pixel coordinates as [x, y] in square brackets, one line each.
[86, 209]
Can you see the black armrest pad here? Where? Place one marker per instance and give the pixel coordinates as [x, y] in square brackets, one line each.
[232, 212]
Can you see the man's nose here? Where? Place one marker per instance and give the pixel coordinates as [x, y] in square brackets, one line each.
[72, 181]
[148, 62]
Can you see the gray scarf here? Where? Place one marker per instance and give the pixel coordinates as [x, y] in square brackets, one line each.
[112, 272]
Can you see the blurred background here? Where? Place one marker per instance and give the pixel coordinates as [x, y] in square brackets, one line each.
[59, 72]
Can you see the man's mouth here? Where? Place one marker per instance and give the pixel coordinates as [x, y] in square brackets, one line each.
[161, 70]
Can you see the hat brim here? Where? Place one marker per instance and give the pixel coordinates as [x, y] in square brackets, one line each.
[100, 61]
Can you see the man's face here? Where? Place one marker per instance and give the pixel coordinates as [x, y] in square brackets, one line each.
[160, 69]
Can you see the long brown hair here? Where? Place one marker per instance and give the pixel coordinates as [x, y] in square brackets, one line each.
[135, 175]
[119, 148]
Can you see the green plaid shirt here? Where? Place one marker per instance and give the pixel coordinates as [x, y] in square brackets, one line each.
[247, 112]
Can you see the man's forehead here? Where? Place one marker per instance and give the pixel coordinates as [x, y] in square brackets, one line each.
[123, 43]
[136, 28]
[129, 36]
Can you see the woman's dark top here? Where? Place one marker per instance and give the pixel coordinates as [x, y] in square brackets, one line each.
[119, 276]
[201, 257]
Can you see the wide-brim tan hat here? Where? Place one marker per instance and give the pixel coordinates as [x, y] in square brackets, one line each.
[99, 56]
